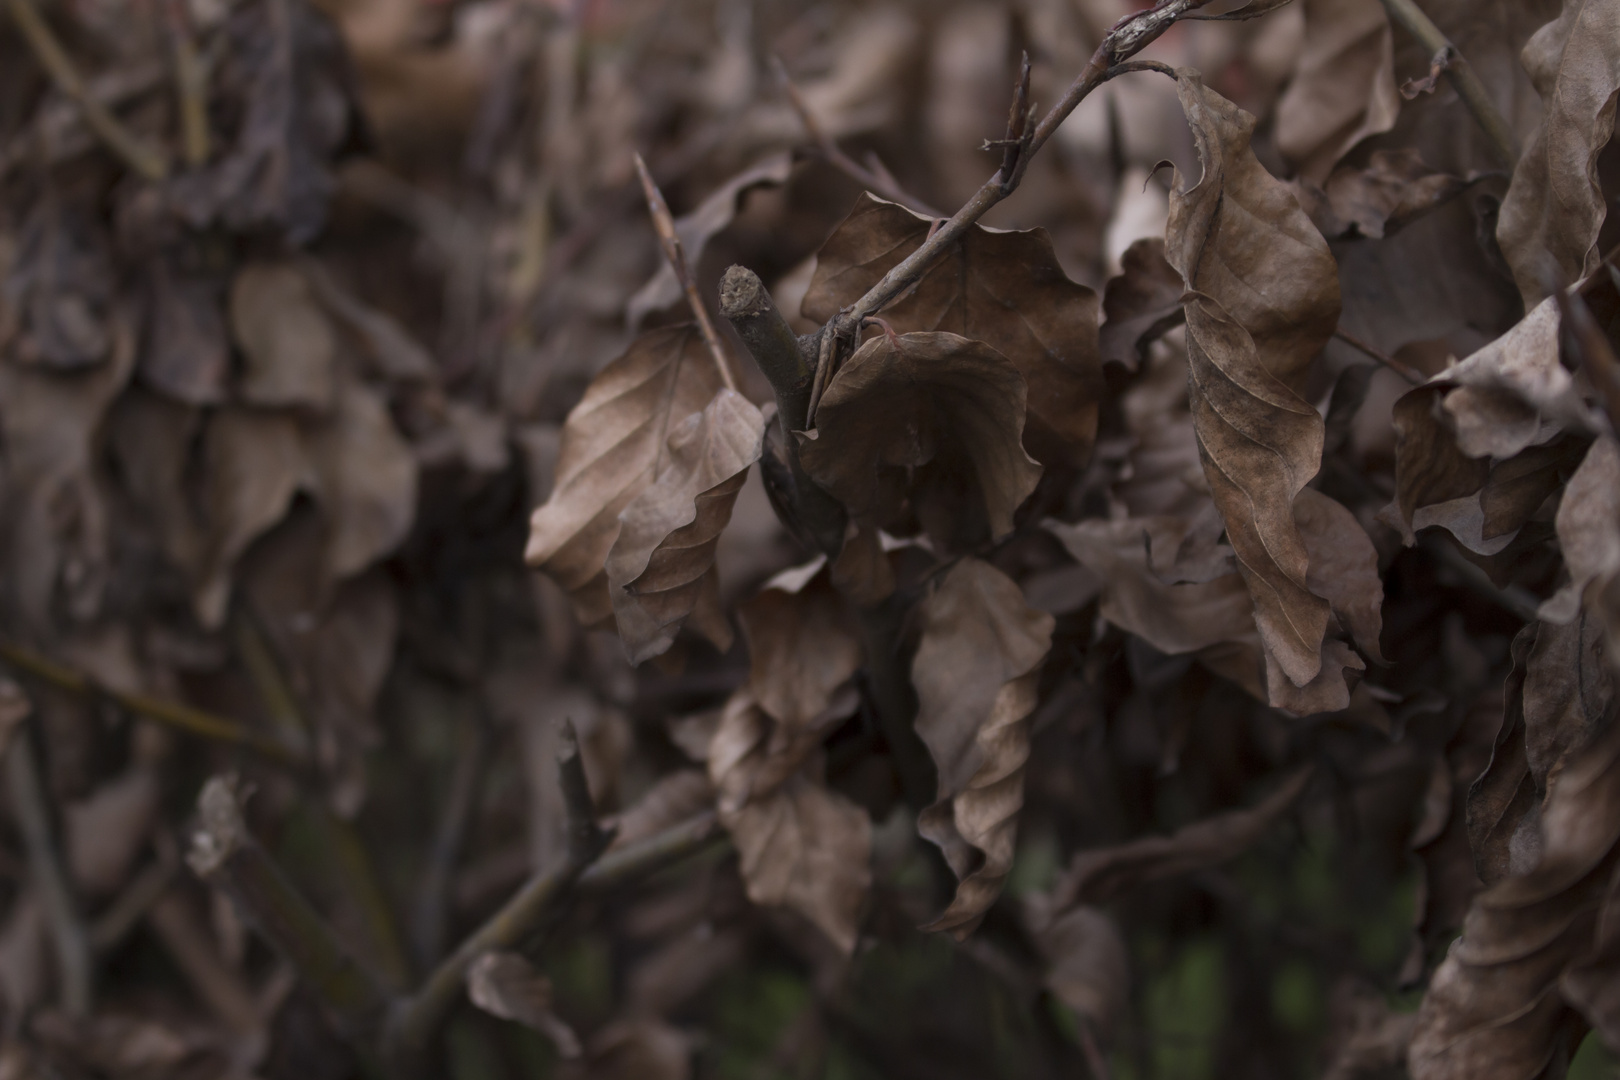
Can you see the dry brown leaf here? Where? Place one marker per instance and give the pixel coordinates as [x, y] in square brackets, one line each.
[1003, 288]
[1266, 301]
[976, 670]
[641, 1048]
[1343, 567]
[1550, 218]
[801, 648]
[287, 341]
[1395, 187]
[186, 353]
[1087, 966]
[1588, 528]
[1493, 1007]
[1592, 983]
[506, 985]
[927, 425]
[1343, 89]
[611, 446]
[661, 565]
[1139, 305]
[106, 831]
[1099, 875]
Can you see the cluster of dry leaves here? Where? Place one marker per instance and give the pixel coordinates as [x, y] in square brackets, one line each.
[1178, 619]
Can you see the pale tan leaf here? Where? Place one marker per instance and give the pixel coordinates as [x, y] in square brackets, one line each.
[1343, 89]
[1003, 288]
[611, 447]
[665, 549]
[506, 985]
[285, 337]
[925, 425]
[976, 668]
[1549, 220]
[1266, 301]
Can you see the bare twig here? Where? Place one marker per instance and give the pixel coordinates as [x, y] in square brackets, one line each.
[225, 854]
[432, 900]
[664, 224]
[190, 84]
[1399, 367]
[73, 955]
[415, 1020]
[1015, 144]
[169, 713]
[149, 162]
[1473, 93]
[635, 861]
[876, 180]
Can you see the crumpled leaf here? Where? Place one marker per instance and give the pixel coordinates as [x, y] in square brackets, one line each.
[661, 566]
[1343, 89]
[1588, 528]
[506, 985]
[1140, 305]
[1343, 567]
[1265, 300]
[1550, 218]
[612, 443]
[1493, 1007]
[926, 425]
[801, 845]
[1087, 965]
[700, 225]
[1592, 983]
[976, 670]
[1099, 875]
[1395, 187]
[1003, 288]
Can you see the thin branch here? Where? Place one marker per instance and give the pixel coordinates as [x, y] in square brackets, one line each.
[170, 713]
[428, 918]
[1399, 367]
[190, 84]
[1128, 37]
[664, 224]
[225, 854]
[414, 1021]
[45, 870]
[1461, 75]
[875, 181]
[149, 162]
[645, 857]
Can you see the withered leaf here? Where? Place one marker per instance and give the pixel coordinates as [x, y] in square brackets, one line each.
[1266, 299]
[1343, 89]
[926, 424]
[663, 557]
[1343, 567]
[186, 353]
[1550, 218]
[1394, 187]
[1140, 305]
[506, 985]
[612, 443]
[978, 661]
[57, 296]
[1588, 528]
[1493, 1007]
[286, 339]
[1592, 983]
[1003, 288]
[1087, 966]
[1099, 875]
[801, 650]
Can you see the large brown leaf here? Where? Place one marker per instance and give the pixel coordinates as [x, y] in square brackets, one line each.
[1550, 219]
[661, 566]
[924, 426]
[612, 443]
[977, 665]
[1493, 1007]
[1343, 89]
[1003, 288]
[1265, 299]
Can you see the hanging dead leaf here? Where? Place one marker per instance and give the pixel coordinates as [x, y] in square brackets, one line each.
[506, 985]
[1343, 89]
[1588, 528]
[1087, 966]
[1343, 567]
[978, 660]
[1493, 1006]
[1003, 288]
[1103, 874]
[1550, 218]
[1267, 300]
[1140, 305]
[611, 447]
[1592, 983]
[924, 426]
[1395, 187]
[661, 565]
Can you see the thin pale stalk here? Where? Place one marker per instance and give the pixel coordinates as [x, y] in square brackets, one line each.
[664, 225]
[1461, 75]
[149, 162]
